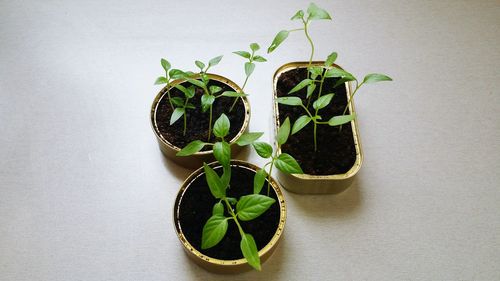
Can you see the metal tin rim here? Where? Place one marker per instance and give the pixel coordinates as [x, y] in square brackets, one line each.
[163, 91]
[359, 157]
[230, 263]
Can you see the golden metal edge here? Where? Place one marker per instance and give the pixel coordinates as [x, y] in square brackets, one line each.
[228, 266]
[172, 149]
[359, 155]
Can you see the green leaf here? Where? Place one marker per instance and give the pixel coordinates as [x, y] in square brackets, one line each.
[178, 112]
[233, 94]
[341, 119]
[249, 67]
[177, 101]
[263, 149]
[298, 15]
[287, 164]
[283, 132]
[278, 39]
[330, 59]
[316, 13]
[221, 126]
[232, 200]
[310, 89]
[337, 72]
[217, 188]
[315, 71]
[218, 209]
[376, 77]
[190, 91]
[341, 81]
[177, 74]
[249, 250]
[259, 59]
[226, 175]
[222, 152]
[252, 206]
[244, 54]
[165, 64]
[258, 180]
[196, 82]
[199, 64]
[300, 123]
[214, 230]
[248, 138]
[254, 47]
[191, 148]
[215, 89]
[301, 85]
[290, 100]
[206, 102]
[214, 61]
[323, 101]
[161, 80]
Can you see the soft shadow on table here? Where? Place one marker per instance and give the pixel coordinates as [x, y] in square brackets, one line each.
[342, 205]
[178, 171]
[271, 269]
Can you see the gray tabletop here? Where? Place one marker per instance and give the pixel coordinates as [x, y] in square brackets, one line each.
[85, 193]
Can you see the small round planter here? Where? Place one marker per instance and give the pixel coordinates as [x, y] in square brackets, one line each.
[349, 153]
[193, 206]
[160, 124]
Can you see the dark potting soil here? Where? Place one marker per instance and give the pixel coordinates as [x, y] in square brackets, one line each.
[196, 208]
[197, 121]
[336, 152]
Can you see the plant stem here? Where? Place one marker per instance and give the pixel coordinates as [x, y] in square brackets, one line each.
[316, 113]
[350, 99]
[210, 124]
[235, 218]
[236, 98]
[269, 175]
[315, 142]
[310, 42]
[169, 98]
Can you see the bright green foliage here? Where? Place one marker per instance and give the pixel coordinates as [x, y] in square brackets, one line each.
[251, 206]
[249, 250]
[214, 230]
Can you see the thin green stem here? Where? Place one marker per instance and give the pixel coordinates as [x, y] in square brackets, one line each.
[236, 98]
[185, 116]
[310, 42]
[169, 98]
[269, 176]
[235, 218]
[350, 100]
[297, 29]
[210, 124]
[315, 141]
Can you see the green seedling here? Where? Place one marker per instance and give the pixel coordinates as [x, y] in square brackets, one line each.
[182, 105]
[171, 74]
[318, 74]
[247, 207]
[249, 68]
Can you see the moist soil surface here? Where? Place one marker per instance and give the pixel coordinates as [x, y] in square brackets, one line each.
[195, 209]
[197, 121]
[336, 152]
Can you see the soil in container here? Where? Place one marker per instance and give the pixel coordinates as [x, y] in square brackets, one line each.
[195, 209]
[197, 121]
[336, 152]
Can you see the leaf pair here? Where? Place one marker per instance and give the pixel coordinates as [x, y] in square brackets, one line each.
[250, 66]
[211, 63]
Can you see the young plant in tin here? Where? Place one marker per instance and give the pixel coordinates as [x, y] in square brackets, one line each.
[182, 105]
[171, 74]
[249, 68]
[318, 74]
[247, 207]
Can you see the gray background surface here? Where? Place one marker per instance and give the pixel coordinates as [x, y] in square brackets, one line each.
[85, 193]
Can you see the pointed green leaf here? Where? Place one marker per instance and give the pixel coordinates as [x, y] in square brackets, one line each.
[249, 250]
[310, 89]
[244, 54]
[215, 89]
[226, 175]
[199, 64]
[161, 80]
[263, 149]
[177, 101]
[232, 200]
[287, 164]
[165, 64]
[298, 15]
[283, 132]
[214, 61]
[254, 47]
[337, 72]
[259, 59]
[258, 180]
[249, 67]
[290, 101]
[301, 85]
[214, 230]
[178, 112]
[191, 148]
[206, 102]
[300, 123]
[222, 152]
[278, 39]
[196, 82]
[323, 101]
[233, 94]
[315, 72]
[330, 59]
[376, 77]
[177, 74]
[190, 91]
[221, 126]
[316, 13]
[218, 209]
[217, 188]
[341, 119]
[248, 138]
[252, 206]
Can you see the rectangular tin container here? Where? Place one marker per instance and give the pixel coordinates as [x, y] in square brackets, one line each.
[317, 184]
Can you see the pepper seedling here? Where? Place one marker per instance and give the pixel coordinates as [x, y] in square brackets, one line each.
[247, 207]
[249, 68]
[171, 74]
